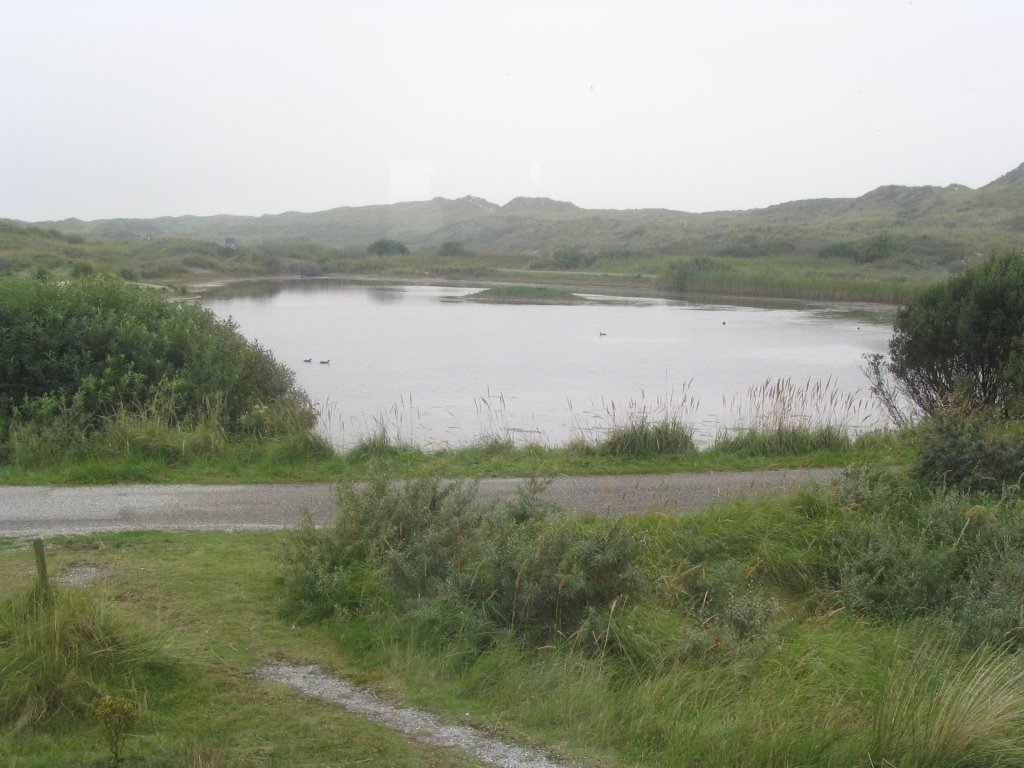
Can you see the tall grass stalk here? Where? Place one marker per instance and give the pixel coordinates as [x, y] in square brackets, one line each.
[641, 429]
[780, 417]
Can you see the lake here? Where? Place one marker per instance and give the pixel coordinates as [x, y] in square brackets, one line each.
[434, 369]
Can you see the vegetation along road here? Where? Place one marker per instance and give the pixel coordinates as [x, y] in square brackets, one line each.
[51, 510]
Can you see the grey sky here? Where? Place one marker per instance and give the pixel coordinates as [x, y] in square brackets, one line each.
[111, 109]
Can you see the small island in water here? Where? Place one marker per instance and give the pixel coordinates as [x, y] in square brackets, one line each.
[526, 294]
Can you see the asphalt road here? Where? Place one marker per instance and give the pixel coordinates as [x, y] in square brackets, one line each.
[28, 511]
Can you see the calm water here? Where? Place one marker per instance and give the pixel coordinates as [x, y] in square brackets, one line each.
[435, 370]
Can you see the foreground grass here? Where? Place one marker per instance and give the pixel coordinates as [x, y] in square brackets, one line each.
[805, 681]
[210, 596]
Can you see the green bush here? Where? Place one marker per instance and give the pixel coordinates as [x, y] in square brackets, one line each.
[972, 451]
[899, 550]
[86, 350]
[386, 247]
[962, 340]
[433, 548]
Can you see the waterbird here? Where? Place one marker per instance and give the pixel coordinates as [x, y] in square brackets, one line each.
[601, 333]
[307, 359]
[325, 362]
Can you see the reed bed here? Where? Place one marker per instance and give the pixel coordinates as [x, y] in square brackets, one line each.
[781, 417]
[776, 417]
[814, 287]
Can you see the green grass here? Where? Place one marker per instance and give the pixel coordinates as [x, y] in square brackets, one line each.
[211, 597]
[734, 648]
[61, 649]
[178, 263]
[285, 460]
[525, 294]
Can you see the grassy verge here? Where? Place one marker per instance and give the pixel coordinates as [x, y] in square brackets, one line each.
[284, 460]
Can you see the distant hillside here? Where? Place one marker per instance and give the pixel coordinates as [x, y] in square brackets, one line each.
[937, 224]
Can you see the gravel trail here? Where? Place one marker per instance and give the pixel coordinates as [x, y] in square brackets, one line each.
[27, 511]
[420, 725]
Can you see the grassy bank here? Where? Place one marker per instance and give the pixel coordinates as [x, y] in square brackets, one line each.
[755, 634]
[305, 459]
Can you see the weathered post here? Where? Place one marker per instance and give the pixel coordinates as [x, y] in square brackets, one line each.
[44, 581]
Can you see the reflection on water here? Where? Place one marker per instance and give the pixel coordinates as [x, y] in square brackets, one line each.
[438, 372]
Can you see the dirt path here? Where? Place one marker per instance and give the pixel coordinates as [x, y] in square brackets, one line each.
[27, 511]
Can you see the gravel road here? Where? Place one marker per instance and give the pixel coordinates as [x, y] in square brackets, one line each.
[27, 511]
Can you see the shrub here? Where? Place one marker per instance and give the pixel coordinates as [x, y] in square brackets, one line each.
[115, 715]
[386, 247]
[972, 451]
[963, 339]
[901, 551]
[492, 569]
[453, 248]
[86, 350]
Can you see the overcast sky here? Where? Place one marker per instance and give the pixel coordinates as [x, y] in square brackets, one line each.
[141, 109]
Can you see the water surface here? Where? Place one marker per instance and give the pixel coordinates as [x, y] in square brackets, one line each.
[435, 370]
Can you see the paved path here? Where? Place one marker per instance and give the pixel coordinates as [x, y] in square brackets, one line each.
[27, 511]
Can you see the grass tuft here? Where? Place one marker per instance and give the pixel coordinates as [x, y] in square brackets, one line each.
[57, 655]
[936, 711]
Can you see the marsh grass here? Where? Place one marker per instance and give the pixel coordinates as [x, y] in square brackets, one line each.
[640, 438]
[781, 417]
[640, 429]
[277, 432]
[783, 440]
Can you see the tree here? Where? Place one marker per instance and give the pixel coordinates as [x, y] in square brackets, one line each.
[452, 248]
[385, 247]
[963, 339]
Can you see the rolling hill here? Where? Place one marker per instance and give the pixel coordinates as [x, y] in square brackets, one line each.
[936, 224]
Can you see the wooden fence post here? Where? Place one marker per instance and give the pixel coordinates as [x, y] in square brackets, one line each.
[44, 580]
